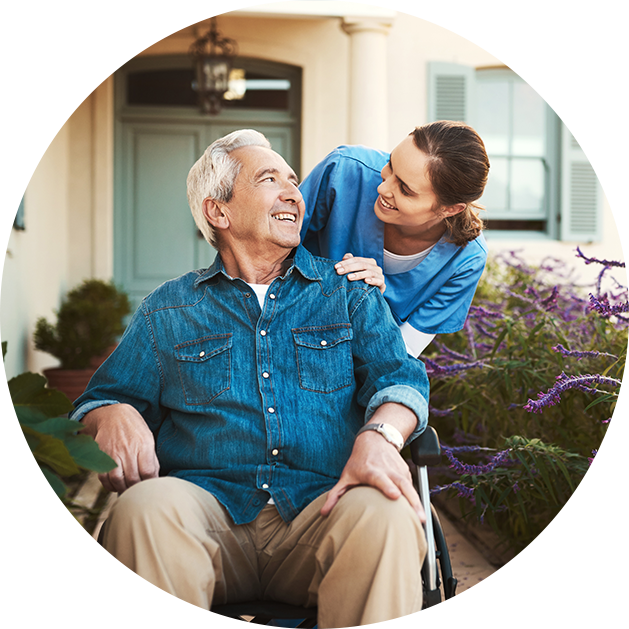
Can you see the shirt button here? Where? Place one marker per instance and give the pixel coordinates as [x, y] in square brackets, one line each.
[265, 375]
[324, 343]
[256, 502]
[265, 486]
[271, 409]
[262, 332]
[247, 294]
[275, 452]
[202, 354]
[271, 296]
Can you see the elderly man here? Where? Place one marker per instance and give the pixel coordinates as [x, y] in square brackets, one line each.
[262, 403]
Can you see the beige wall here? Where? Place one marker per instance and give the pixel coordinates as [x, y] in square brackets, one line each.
[35, 270]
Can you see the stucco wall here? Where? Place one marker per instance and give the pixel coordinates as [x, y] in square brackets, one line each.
[35, 270]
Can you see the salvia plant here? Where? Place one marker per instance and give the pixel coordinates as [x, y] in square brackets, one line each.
[522, 396]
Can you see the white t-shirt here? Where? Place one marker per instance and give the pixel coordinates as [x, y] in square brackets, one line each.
[416, 341]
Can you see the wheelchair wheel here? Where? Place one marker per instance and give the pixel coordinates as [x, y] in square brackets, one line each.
[445, 578]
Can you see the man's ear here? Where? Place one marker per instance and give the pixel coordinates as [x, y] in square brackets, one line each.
[214, 214]
[452, 210]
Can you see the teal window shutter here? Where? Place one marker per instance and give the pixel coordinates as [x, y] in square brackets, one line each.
[450, 92]
[581, 194]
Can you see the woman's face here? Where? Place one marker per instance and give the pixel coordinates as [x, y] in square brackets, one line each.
[406, 197]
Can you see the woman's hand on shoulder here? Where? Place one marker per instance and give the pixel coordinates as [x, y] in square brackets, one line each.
[365, 269]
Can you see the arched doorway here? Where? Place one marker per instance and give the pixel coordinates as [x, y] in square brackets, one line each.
[159, 134]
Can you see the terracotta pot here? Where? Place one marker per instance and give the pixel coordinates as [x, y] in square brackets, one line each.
[71, 382]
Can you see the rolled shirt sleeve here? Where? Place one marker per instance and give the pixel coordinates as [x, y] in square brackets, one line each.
[406, 395]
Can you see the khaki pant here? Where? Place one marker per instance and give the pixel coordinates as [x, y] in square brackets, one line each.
[360, 564]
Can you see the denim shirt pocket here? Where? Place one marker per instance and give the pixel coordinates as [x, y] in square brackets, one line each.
[324, 357]
[204, 367]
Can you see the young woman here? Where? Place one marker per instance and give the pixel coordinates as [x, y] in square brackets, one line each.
[410, 213]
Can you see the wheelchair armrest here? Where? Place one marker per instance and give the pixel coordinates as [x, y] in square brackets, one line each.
[426, 450]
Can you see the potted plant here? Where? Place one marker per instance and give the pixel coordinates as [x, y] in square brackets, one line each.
[89, 322]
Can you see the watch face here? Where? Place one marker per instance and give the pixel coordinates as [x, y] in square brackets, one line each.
[390, 435]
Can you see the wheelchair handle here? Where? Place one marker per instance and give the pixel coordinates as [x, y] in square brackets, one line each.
[426, 450]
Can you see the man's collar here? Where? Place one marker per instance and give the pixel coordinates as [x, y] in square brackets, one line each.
[302, 261]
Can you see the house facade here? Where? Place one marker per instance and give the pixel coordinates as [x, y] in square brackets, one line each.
[108, 198]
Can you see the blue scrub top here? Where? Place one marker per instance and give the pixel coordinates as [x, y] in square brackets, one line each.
[340, 194]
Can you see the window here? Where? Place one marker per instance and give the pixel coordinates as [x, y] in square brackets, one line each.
[540, 183]
[11, 113]
[514, 123]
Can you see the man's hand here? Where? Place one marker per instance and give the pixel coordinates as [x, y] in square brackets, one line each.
[122, 433]
[361, 269]
[377, 463]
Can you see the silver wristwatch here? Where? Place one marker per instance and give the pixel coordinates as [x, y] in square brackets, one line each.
[390, 433]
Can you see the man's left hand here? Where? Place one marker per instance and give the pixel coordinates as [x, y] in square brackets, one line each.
[376, 463]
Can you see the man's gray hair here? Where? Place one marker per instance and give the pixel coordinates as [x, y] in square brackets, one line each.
[214, 174]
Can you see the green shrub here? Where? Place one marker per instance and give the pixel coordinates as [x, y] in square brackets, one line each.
[522, 396]
[90, 320]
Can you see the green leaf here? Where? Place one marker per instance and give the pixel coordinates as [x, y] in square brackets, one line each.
[29, 389]
[15, 443]
[21, 569]
[88, 455]
[83, 449]
[29, 498]
[52, 451]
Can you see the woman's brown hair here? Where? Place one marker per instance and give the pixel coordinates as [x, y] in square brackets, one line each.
[458, 167]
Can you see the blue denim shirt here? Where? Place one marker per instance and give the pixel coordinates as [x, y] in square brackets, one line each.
[250, 403]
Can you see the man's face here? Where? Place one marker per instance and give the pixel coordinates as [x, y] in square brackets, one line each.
[266, 207]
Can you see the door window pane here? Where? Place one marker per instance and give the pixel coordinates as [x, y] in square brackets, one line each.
[173, 88]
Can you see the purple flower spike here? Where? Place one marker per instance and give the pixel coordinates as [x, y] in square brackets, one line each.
[462, 490]
[564, 382]
[596, 461]
[579, 355]
[473, 470]
[603, 307]
[608, 263]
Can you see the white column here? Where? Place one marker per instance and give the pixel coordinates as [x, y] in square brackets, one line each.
[369, 89]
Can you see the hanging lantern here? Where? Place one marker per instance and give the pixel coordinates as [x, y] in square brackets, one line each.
[213, 56]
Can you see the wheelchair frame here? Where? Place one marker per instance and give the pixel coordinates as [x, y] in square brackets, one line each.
[436, 571]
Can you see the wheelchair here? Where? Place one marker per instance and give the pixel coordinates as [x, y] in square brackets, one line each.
[439, 584]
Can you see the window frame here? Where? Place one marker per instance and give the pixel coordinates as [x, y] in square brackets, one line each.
[574, 195]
